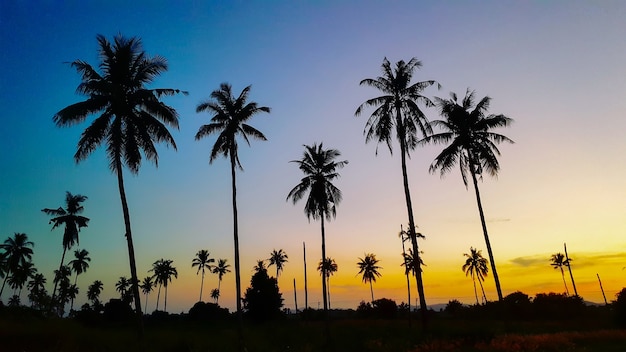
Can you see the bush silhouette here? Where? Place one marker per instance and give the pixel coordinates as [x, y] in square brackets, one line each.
[203, 311]
[619, 307]
[262, 300]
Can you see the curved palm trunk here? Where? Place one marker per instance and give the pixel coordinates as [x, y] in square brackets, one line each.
[236, 243]
[201, 285]
[54, 291]
[480, 281]
[6, 276]
[409, 207]
[484, 225]
[131, 248]
[564, 283]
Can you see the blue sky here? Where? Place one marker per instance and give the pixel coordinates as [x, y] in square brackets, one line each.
[555, 67]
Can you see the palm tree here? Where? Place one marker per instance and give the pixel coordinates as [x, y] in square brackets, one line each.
[476, 267]
[19, 277]
[220, 269]
[202, 261]
[131, 118]
[327, 268]
[62, 280]
[36, 285]
[17, 252]
[320, 169]
[70, 218]
[93, 292]
[558, 262]
[215, 294]
[398, 109]
[472, 145]
[121, 286]
[163, 272]
[278, 258]
[369, 269]
[230, 117]
[260, 266]
[81, 262]
[146, 287]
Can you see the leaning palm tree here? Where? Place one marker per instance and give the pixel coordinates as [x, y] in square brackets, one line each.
[147, 285]
[71, 220]
[327, 268]
[397, 110]
[163, 272]
[131, 118]
[278, 258]
[220, 269]
[229, 121]
[320, 169]
[17, 252]
[467, 131]
[476, 267]
[558, 261]
[93, 292]
[368, 267]
[81, 262]
[203, 261]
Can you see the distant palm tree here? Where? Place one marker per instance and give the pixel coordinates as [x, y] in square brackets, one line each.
[230, 117]
[278, 258]
[409, 262]
[327, 268]
[260, 266]
[37, 287]
[476, 267]
[146, 287]
[122, 286]
[203, 261]
[369, 269]
[17, 252]
[220, 269]
[320, 169]
[215, 294]
[132, 118]
[62, 280]
[71, 292]
[163, 272]
[81, 262]
[73, 222]
[558, 261]
[467, 131]
[397, 110]
[93, 292]
[20, 276]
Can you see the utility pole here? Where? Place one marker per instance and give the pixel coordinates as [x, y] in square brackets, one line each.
[602, 289]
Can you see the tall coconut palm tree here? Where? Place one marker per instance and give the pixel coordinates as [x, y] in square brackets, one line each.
[476, 267]
[81, 262]
[327, 268]
[320, 170]
[93, 292]
[17, 252]
[558, 261]
[163, 272]
[398, 110]
[131, 118]
[203, 261]
[368, 268]
[71, 220]
[278, 258]
[220, 269]
[467, 132]
[229, 121]
[147, 285]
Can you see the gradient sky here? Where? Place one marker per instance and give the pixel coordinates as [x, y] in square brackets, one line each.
[556, 68]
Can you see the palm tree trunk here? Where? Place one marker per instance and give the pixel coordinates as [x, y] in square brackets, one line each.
[480, 281]
[408, 282]
[219, 283]
[295, 295]
[165, 305]
[54, 291]
[564, 283]
[158, 296]
[6, 276]
[201, 285]
[325, 288]
[131, 248]
[145, 308]
[475, 292]
[484, 225]
[569, 268]
[306, 289]
[371, 290]
[236, 243]
[409, 207]
[328, 291]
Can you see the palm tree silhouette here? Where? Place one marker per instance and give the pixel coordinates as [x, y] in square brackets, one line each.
[37, 288]
[215, 294]
[81, 262]
[320, 169]
[398, 110]
[230, 117]
[278, 258]
[131, 118]
[369, 269]
[476, 267]
[260, 266]
[17, 252]
[472, 145]
[93, 292]
[121, 286]
[558, 261]
[19, 277]
[203, 261]
[327, 268]
[146, 287]
[220, 269]
[163, 272]
[62, 280]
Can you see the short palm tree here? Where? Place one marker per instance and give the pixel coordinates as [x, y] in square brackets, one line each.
[17, 252]
[146, 286]
[121, 286]
[467, 131]
[368, 268]
[81, 262]
[278, 258]
[397, 110]
[62, 281]
[20, 276]
[260, 266]
[131, 118]
[71, 219]
[37, 288]
[215, 294]
[476, 267]
[558, 261]
[320, 170]
[327, 268]
[93, 292]
[163, 272]
[221, 269]
[229, 121]
[203, 261]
